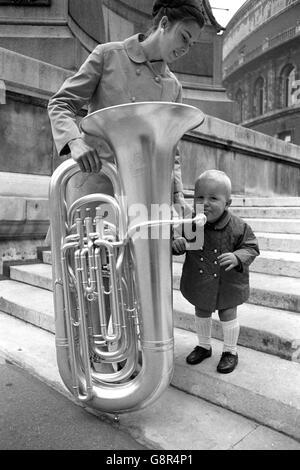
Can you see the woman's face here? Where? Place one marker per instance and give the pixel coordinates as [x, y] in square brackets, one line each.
[176, 39]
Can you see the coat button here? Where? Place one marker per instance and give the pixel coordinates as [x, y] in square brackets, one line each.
[215, 251]
[133, 99]
[138, 71]
[201, 259]
[157, 79]
[215, 262]
[215, 275]
[201, 272]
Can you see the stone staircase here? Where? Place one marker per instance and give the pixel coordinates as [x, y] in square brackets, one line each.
[258, 404]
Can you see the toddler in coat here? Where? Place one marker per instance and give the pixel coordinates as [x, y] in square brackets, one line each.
[216, 277]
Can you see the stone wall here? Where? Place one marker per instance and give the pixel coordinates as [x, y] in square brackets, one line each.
[39, 32]
[57, 11]
[257, 164]
[27, 147]
[27, 154]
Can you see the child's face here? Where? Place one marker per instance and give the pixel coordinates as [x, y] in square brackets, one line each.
[215, 197]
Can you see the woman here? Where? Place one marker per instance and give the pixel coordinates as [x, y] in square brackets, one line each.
[116, 73]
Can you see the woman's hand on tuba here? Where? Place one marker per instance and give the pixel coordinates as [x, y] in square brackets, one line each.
[87, 157]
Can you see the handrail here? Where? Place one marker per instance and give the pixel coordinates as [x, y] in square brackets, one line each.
[270, 43]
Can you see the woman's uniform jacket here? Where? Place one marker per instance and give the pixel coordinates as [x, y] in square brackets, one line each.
[204, 283]
[114, 73]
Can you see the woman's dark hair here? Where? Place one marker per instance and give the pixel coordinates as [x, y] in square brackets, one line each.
[177, 10]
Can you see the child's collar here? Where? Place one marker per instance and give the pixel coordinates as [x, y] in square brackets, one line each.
[221, 223]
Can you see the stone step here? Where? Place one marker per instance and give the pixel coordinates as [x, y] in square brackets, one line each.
[259, 223]
[266, 212]
[277, 264]
[253, 201]
[274, 225]
[262, 387]
[271, 262]
[29, 303]
[269, 330]
[285, 242]
[39, 274]
[34, 350]
[265, 329]
[278, 242]
[280, 292]
[275, 291]
[266, 390]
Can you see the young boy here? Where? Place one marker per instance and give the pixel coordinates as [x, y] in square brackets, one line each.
[216, 277]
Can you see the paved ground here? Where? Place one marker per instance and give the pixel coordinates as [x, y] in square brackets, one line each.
[35, 417]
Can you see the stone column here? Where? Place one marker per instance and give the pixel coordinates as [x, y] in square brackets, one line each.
[217, 60]
[271, 87]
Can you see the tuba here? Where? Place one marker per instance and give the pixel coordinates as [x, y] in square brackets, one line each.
[111, 260]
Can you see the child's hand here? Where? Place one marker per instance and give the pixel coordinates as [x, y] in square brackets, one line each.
[229, 260]
[179, 246]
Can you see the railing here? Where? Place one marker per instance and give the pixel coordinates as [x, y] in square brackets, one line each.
[284, 36]
[275, 41]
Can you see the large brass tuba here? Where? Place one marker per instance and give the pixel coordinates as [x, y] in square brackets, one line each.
[112, 276]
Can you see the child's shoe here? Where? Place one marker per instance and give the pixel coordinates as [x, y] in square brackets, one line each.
[228, 362]
[198, 355]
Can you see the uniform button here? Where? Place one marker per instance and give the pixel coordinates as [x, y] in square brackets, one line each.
[133, 99]
[157, 79]
[201, 259]
[201, 272]
[138, 71]
[215, 262]
[215, 275]
[215, 251]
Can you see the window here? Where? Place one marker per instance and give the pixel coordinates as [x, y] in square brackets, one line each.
[287, 81]
[259, 97]
[286, 136]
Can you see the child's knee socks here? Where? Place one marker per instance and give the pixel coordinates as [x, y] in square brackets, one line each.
[231, 331]
[203, 329]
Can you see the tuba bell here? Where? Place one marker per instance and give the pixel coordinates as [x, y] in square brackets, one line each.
[111, 260]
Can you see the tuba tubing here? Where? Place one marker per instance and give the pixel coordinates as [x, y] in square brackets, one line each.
[143, 138]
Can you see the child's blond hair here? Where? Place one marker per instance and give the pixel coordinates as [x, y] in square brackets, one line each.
[218, 176]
